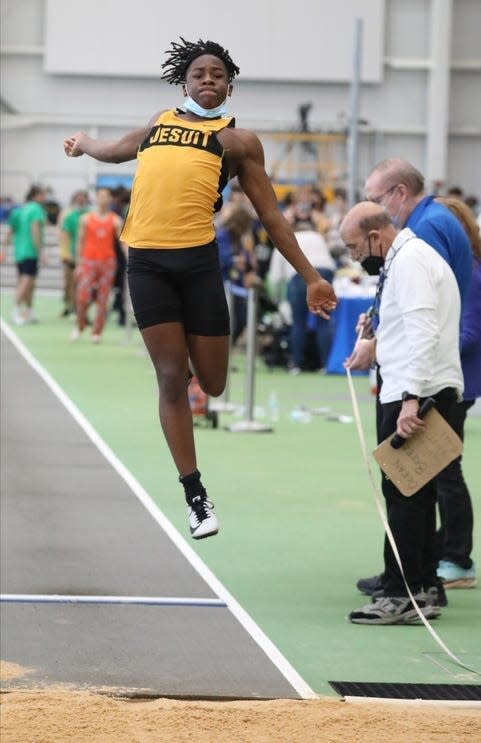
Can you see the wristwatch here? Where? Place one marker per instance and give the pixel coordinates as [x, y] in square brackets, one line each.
[409, 396]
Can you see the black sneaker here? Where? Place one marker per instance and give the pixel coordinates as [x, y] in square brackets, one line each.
[368, 586]
[394, 610]
[436, 595]
[202, 519]
[442, 598]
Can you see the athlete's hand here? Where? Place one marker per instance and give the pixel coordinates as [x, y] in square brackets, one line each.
[321, 298]
[73, 146]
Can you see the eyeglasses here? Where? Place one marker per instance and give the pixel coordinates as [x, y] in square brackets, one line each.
[378, 199]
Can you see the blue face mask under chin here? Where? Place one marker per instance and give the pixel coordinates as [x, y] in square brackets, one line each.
[396, 218]
[205, 113]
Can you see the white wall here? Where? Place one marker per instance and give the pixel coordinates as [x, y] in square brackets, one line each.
[265, 26]
[50, 106]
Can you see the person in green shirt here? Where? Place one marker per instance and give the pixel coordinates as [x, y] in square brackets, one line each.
[26, 225]
[69, 226]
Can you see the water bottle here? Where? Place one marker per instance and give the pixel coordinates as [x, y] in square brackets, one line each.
[300, 415]
[274, 407]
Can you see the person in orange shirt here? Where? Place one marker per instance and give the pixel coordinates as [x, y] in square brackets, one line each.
[97, 263]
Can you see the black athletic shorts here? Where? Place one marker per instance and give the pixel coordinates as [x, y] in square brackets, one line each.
[179, 285]
[28, 267]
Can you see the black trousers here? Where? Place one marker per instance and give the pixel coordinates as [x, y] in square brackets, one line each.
[455, 537]
[412, 519]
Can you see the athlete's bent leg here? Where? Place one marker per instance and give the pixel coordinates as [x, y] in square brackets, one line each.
[210, 358]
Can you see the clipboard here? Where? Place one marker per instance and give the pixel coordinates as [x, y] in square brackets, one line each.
[422, 456]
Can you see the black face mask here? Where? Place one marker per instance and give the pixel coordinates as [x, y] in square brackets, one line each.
[373, 264]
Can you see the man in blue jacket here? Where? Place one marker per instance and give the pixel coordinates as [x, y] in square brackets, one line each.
[398, 186]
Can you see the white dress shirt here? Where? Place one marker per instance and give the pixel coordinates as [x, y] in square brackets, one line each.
[418, 335]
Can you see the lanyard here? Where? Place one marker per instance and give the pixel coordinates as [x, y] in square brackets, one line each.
[376, 305]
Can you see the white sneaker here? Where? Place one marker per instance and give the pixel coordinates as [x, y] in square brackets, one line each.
[17, 317]
[75, 334]
[202, 519]
[95, 338]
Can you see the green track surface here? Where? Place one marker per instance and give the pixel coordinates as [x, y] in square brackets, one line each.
[298, 521]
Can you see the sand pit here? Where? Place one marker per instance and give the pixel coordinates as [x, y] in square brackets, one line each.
[10, 671]
[62, 715]
[58, 716]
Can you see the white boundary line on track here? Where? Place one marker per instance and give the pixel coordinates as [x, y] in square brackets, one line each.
[52, 598]
[272, 652]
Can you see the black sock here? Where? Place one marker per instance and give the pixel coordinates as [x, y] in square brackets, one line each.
[192, 485]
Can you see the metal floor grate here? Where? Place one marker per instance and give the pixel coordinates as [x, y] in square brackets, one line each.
[457, 692]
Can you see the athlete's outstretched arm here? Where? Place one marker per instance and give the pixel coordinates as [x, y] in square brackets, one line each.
[257, 186]
[108, 151]
[119, 151]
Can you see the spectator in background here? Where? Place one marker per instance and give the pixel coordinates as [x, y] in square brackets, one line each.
[318, 204]
[98, 230]
[473, 203]
[238, 197]
[263, 248]
[337, 211]
[120, 205]
[315, 249]
[69, 226]
[237, 260]
[308, 197]
[26, 226]
[286, 202]
[7, 205]
[51, 206]
[455, 192]
[455, 537]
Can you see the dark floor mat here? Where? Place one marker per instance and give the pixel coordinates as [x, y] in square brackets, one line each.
[457, 692]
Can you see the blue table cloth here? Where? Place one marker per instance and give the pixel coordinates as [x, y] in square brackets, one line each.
[345, 318]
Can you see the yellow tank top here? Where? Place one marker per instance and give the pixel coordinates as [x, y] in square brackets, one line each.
[181, 171]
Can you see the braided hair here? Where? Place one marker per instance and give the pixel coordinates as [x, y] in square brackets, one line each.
[182, 55]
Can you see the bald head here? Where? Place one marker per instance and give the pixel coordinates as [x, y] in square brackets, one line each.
[367, 229]
[365, 216]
